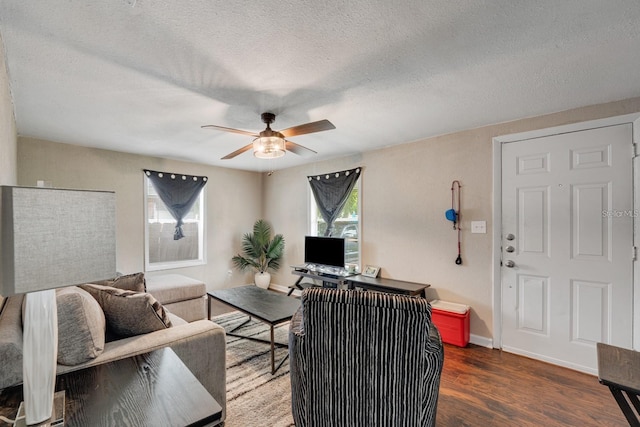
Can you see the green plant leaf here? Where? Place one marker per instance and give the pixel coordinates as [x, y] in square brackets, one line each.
[259, 251]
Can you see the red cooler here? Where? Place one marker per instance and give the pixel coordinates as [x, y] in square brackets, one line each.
[452, 320]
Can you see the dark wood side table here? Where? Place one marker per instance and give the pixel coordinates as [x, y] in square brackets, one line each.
[619, 369]
[152, 389]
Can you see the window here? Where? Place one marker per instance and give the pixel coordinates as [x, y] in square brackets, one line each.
[161, 250]
[347, 225]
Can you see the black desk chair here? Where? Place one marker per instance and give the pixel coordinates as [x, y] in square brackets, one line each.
[619, 369]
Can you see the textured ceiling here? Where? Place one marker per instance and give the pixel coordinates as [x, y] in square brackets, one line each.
[142, 76]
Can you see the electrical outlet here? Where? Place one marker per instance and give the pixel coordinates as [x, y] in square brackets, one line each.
[479, 227]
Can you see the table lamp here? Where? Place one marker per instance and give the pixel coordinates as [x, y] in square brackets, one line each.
[51, 238]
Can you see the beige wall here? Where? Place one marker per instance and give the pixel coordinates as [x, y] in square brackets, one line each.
[233, 200]
[405, 192]
[8, 139]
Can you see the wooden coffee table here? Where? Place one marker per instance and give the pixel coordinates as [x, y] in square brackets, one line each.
[268, 307]
[152, 389]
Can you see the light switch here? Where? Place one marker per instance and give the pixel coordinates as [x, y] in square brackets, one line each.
[479, 227]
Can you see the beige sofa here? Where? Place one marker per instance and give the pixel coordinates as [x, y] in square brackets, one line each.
[201, 344]
[181, 295]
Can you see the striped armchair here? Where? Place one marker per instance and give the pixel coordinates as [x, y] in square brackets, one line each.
[364, 359]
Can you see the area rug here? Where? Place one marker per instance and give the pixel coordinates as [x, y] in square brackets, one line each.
[255, 398]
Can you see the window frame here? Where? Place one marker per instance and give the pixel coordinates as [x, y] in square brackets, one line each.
[313, 223]
[202, 247]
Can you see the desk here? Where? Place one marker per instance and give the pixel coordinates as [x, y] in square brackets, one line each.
[152, 389]
[326, 276]
[619, 369]
[359, 281]
[386, 285]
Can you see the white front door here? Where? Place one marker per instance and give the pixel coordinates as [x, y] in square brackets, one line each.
[567, 245]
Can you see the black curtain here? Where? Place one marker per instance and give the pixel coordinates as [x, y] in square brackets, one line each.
[331, 192]
[178, 192]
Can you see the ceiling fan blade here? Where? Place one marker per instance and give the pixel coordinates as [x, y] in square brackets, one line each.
[318, 126]
[222, 128]
[299, 149]
[237, 152]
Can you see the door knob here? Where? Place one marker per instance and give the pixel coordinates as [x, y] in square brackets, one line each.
[510, 236]
[509, 249]
[509, 263]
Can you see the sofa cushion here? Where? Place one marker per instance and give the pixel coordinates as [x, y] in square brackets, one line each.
[81, 326]
[130, 282]
[129, 313]
[176, 320]
[170, 288]
[11, 341]
[2, 301]
[189, 310]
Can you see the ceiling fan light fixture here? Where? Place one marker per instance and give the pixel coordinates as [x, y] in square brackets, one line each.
[268, 147]
[271, 144]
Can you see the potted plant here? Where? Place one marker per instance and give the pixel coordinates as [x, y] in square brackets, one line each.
[260, 252]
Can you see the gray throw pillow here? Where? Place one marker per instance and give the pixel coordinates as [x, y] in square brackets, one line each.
[129, 313]
[2, 301]
[81, 326]
[11, 341]
[130, 282]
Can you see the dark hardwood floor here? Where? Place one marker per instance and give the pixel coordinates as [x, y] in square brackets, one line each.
[485, 387]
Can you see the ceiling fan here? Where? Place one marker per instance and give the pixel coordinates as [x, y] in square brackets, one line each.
[270, 144]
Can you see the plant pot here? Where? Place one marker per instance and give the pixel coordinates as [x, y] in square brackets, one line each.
[262, 280]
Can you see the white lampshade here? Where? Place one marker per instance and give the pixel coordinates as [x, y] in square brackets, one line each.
[51, 238]
[269, 147]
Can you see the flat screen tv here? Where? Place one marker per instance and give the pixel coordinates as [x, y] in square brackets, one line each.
[324, 251]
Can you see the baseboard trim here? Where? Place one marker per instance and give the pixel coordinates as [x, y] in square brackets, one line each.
[552, 360]
[283, 289]
[481, 341]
